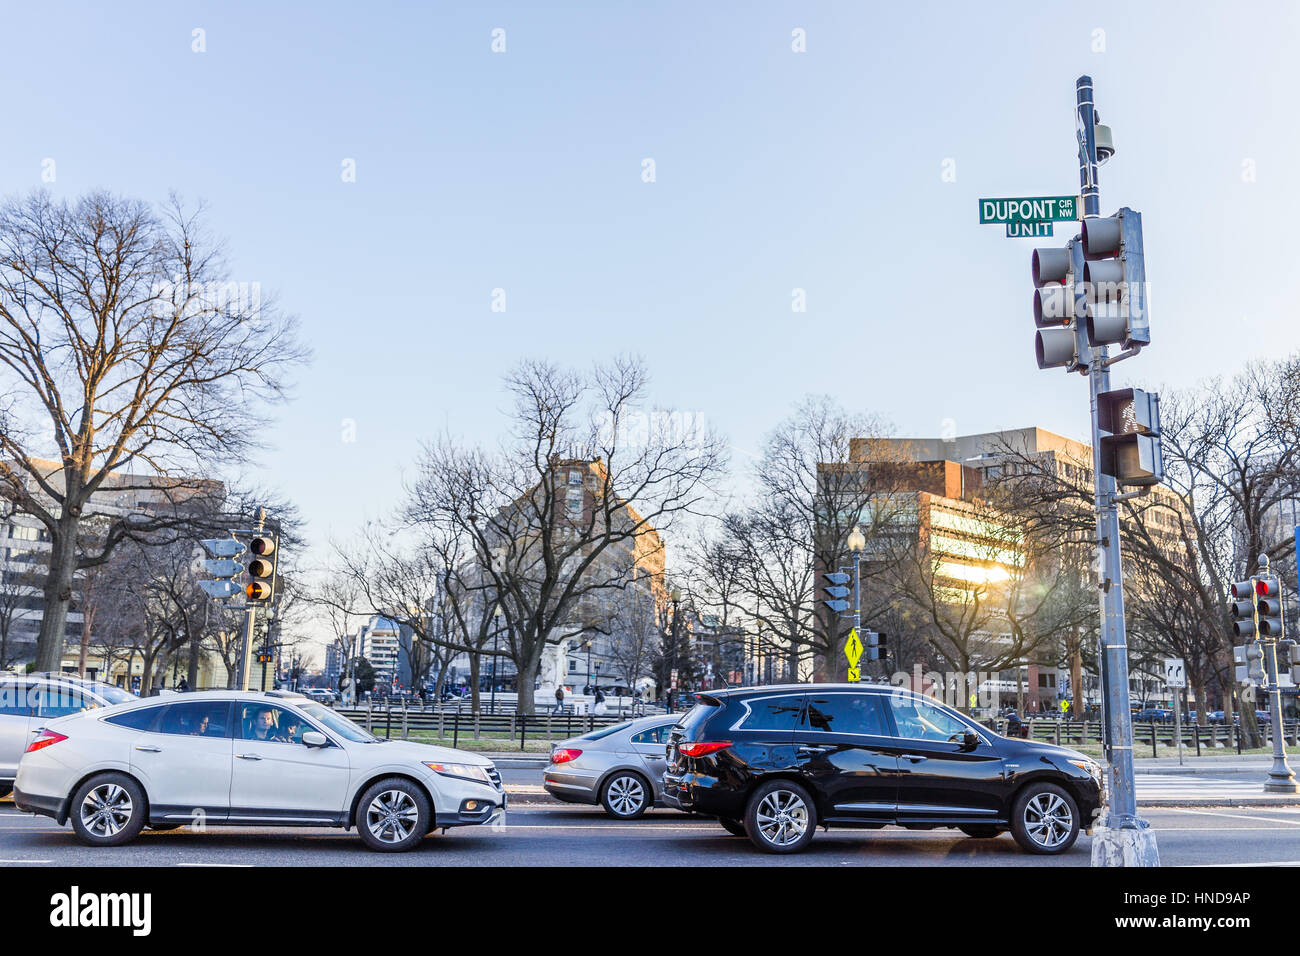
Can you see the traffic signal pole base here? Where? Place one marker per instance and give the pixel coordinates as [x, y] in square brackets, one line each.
[1133, 845]
[1281, 779]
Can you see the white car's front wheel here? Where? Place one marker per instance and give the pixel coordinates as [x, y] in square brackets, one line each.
[108, 810]
[393, 815]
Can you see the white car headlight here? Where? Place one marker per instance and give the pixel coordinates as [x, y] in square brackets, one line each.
[465, 771]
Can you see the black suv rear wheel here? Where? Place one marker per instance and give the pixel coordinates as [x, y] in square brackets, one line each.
[780, 817]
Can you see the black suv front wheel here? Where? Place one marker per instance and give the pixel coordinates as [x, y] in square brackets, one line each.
[1045, 819]
[780, 817]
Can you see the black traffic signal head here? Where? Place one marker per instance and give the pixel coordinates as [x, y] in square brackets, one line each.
[260, 588]
[1243, 610]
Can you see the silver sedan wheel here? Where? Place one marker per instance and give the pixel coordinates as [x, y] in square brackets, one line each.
[106, 810]
[782, 817]
[1048, 820]
[626, 795]
[391, 816]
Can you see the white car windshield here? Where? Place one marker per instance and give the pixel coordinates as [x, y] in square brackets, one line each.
[337, 723]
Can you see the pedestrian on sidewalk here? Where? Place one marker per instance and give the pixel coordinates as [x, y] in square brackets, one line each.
[559, 698]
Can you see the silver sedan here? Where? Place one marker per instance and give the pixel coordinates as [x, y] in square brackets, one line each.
[620, 767]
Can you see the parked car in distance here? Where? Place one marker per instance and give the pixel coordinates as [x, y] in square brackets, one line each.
[619, 767]
[27, 701]
[1157, 714]
[775, 763]
[322, 695]
[247, 759]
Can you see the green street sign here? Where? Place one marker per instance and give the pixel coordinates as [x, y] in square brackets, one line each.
[1028, 230]
[1032, 209]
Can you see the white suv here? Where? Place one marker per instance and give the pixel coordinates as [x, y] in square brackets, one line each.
[247, 759]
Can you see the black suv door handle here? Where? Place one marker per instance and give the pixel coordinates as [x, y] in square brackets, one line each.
[806, 749]
[915, 758]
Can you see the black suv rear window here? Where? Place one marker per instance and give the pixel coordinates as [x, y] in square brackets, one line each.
[697, 717]
[771, 713]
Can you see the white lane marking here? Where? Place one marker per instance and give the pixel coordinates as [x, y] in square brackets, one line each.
[26, 861]
[243, 865]
[1236, 816]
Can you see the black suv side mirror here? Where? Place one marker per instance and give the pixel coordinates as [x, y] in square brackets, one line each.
[970, 740]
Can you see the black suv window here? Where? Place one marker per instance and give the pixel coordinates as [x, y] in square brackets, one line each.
[772, 713]
[845, 714]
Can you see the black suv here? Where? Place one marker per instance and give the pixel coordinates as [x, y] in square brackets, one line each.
[774, 763]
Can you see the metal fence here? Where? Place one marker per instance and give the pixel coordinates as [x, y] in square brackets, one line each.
[399, 721]
[1152, 734]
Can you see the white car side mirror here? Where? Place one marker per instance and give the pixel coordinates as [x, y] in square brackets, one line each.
[314, 738]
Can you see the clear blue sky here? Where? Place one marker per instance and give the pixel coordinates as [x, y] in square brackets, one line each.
[775, 170]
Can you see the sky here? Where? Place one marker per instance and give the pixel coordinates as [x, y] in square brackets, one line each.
[389, 171]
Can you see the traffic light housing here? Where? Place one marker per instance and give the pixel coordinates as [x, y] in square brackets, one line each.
[1129, 422]
[1114, 281]
[223, 565]
[836, 588]
[1268, 603]
[1242, 608]
[874, 649]
[260, 586]
[1060, 341]
[1249, 663]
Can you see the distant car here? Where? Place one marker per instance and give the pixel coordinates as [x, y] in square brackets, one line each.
[29, 700]
[619, 767]
[247, 759]
[321, 695]
[1157, 714]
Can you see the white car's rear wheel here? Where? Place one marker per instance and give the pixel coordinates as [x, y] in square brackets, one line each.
[108, 810]
[393, 815]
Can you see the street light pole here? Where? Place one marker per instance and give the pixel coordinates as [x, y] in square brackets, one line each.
[857, 544]
[1126, 840]
[672, 666]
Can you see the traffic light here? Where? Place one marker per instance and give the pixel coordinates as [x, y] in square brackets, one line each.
[874, 649]
[835, 587]
[223, 565]
[1286, 657]
[1249, 661]
[1269, 605]
[1129, 422]
[1243, 611]
[1114, 281]
[1060, 341]
[260, 589]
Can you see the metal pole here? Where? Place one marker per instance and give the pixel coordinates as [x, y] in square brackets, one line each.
[1178, 723]
[1138, 846]
[248, 647]
[1281, 779]
[857, 595]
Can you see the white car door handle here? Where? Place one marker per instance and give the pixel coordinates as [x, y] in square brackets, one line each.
[150, 750]
[248, 756]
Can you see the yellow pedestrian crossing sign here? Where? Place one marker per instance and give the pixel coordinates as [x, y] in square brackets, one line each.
[855, 675]
[853, 648]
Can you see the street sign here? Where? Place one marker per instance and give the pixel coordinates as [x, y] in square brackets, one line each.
[220, 589]
[853, 648]
[1028, 230]
[222, 568]
[1032, 209]
[1175, 672]
[1065, 706]
[855, 675]
[223, 547]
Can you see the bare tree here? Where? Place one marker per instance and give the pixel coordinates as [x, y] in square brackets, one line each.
[546, 545]
[119, 325]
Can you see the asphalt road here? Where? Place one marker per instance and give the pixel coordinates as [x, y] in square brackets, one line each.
[543, 833]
